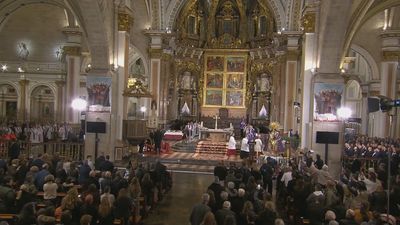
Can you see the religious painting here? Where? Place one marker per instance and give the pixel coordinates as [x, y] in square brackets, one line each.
[234, 98]
[213, 97]
[11, 109]
[327, 100]
[214, 80]
[235, 64]
[215, 63]
[235, 81]
[99, 93]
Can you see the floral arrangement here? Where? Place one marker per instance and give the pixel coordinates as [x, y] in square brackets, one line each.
[275, 137]
[274, 126]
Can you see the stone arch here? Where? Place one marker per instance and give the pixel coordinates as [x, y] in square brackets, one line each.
[370, 60]
[12, 85]
[96, 34]
[364, 13]
[8, 101]
[175, 6]
[139, 54]
[42, 106]
[9, 7]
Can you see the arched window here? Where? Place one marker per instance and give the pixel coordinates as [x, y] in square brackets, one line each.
[263, 25]
[191, 25]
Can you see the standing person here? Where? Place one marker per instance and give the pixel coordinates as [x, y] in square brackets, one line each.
[231, 146]
[258, 146]
[244, 149]
[200, 210]
[158, 136]
[14, 150]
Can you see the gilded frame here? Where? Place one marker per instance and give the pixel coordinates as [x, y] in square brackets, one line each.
[234, 80]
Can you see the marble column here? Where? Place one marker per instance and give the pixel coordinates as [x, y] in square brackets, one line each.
[156, 54]
[389, 86]
[60, 106]
[72, 51]
[23, 111]
[309, 50]
[119, 102]
[291, 79]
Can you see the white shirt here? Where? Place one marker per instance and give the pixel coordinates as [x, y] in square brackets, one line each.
[50, 190]
[232, 143]
[287, 177]
[245, 145]
[258, 145]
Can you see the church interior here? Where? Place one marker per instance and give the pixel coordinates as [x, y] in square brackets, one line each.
[120, 71]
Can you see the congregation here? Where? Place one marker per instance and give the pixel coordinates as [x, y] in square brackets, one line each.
[49, 189]
[305, 193]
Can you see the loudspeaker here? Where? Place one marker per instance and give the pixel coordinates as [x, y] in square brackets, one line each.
[325, 137]
[373, 105]
[96, 127]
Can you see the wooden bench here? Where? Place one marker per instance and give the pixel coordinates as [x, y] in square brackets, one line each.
[59, 194]
[7, 216]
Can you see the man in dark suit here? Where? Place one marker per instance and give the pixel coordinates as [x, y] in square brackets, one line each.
[107, 165]
[158, 136]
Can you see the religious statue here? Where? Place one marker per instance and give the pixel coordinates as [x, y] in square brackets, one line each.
[187, 80]
[23, 51]
[264, 82]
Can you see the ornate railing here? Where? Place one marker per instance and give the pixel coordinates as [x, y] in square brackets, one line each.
[72, 150]
[366, 163]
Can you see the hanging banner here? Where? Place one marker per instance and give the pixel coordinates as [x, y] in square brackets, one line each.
[99, 93]
[327, 100]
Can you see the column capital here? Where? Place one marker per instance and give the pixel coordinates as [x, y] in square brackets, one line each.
[60, 83]
[308, 22]
[72, 50]
[155, 53]
[74, 35]
[125, 21]
[388, 56]
[23, 82]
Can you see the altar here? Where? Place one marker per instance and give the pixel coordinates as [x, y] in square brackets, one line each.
[215, 135]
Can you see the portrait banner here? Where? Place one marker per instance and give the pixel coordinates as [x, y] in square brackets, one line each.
[327, 100]
[99, 93]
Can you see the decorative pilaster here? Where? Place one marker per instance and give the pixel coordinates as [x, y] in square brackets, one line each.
[156, 53]
[22, 114]
[389, 87]
[60, 116]
[291, 79]
[72, 52]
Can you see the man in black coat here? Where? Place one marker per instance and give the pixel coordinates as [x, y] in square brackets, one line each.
[107, 165]
[158, 136]
[14, 150]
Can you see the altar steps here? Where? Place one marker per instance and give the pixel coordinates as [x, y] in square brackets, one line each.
[210, 147]
[182, 146]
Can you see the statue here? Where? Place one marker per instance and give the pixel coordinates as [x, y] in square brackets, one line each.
[187, 80]
[264, 82]
[23, 51]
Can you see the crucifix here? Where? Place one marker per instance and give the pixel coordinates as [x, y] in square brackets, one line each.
[216, 117]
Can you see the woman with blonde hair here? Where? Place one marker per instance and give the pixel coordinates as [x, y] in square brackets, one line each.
[73, 203]
[105, 215]
[209, 219]
[247, 216]
[135, 189]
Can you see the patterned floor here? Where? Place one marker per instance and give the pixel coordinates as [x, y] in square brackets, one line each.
[194, 162]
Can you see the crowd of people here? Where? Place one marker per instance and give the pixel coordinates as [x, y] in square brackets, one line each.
[39, 133]
[306, 193]
[52, 190]
[379, 150]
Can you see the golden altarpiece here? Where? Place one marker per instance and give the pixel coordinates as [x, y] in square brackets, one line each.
[226, 61]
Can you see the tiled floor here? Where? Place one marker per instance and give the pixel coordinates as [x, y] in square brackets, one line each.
[175, 208]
